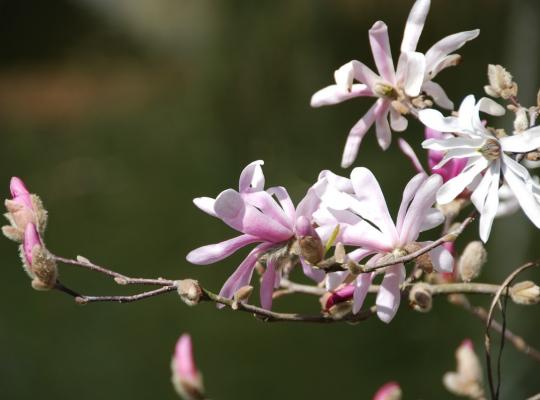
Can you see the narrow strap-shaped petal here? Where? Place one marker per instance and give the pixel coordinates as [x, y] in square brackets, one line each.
[415, 25]
[408, 194]
[420, 206]
[312, 273]
[382, 128]
[491, 205]
[437, 93]
[216, 252]
[397, 121]
[268, 283]
[205, 204]
[242, 275]
[357, 134]
[335, 94]
[523, 142]
[358, 255]
[389, 295]
[371, 203]
[457, 153]
[411, 155]
[361, 288]
[363, 74]
[451, 189]
[453, 143]
[284, 200]
[252, 178]
[524, 194]
[448, 45]
[380, 47]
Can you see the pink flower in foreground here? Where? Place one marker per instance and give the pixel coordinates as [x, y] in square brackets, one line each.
[23, 208]
[389, 391]
[365, 222]
[396, 88]
[267, 217]
[186, 379]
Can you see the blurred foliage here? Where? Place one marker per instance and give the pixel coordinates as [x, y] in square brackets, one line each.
[119, 113]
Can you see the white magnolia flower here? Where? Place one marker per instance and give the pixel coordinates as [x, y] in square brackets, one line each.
[489, 159]
[413, 75]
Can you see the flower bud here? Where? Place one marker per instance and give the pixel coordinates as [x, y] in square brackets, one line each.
[521, 121]
[241, 295]
[186, 379]
[189, 290]
[467, 379]
[37, 261]
[526, 293]
[389, 391]
[420, 297]
[311, 247]
[501, 83]
[471, 261]
[339, 296]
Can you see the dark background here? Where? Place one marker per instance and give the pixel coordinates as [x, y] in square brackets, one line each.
[119, 112]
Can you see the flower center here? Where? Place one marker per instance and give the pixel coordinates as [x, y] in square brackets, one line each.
[383, 89]
[491, 149]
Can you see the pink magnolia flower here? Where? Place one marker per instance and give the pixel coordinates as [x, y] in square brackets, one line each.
[186, 379]
[364, 221]
[393, 88]
[267, 217]
[389, 391]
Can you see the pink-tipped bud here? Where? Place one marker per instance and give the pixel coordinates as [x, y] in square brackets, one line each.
[186, 378]
[339, 296]
[389, 391]
[31, 239]
[19, 192]
[466, 380]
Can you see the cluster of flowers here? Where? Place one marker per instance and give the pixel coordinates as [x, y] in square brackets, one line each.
[468, 161]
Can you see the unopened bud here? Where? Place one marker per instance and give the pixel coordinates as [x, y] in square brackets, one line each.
[501, 83]
[311, 249]
[189, 290]
[420, 297]
[467, 379]
[471, 261]
[241, 295]
[186, 379]
[521, 121]
[423, 261]
[526, 293]
[389, 391]
[340, 255]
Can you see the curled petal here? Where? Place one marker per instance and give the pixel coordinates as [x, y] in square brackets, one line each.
[313, 273]
[414, 75]
[31, 239]
[435, 120]
[205, 204]
[252, 178]
[448, 45]
[524, 194]
[437, 93]
[284, 200]
[441, 258]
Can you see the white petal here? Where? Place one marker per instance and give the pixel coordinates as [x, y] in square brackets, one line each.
[397, 121]
[389, 295]
[452, 143]
[437, 93]
[408, 194]
[252, 178]
[441, 259]
[334, 279]
[335, 94]
[448, 45]
[414, 25]
[491, 107]
[432, 219]
[523, 142]
[380, 47]
[524, 195]
[435, 120]
[414, 77]
[361, 288]
[451, 189]
[205, 204]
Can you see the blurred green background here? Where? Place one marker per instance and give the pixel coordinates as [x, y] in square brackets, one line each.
[119, 112]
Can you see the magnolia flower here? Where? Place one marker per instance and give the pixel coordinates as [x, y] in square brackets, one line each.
[396, 88]
[487, 160]
[267, 217]
[388, 391]
[467, 379]
[23, 208]
[360, 210]
[186, 378]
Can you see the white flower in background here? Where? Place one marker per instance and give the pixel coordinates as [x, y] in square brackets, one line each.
[489, 159]
[394, 88]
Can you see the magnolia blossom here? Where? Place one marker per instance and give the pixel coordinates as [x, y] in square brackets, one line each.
[267, 217]
[358, 207]
[489, 159]
[394, 88]
[388, 391]
[186, 378]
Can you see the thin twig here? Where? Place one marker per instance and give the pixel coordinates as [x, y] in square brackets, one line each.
[125, 299]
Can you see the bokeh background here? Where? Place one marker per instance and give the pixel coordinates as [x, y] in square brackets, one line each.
[119, 112]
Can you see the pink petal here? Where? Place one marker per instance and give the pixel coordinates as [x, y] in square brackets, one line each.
[389, 391]
[314, 274]
[335, 94]
[437, 93]
[264, 202]
[411, 155]
[380, 47]
[389, 295]
[382, 128]
[284, 200]
[357, 134]
[397, 121]
[252, 178]
[415, 25]
[215, 252]
[31, 239]
[184, 361]
[408, 194]
[268, 283]
[361, 288]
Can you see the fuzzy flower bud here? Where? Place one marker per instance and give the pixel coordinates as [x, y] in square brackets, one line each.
[526, 293]
[389, 391]
[420, 297]
[521, 121]
[310, 244]
[467, 379]
[23, 208]
[501, 83]
[472, 260]
[186, 379]
[37, 261]
[189, 290]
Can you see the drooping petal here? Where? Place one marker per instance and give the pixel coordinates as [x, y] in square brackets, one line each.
[335, 94]
[357, 134]
[382, 128]
[371, 203]
[411, 155]
[524, 194]
[361, 288]
[419, 208]
[414, 25]
[437, 93]
[268, 283]
[389, 295]
[252, 178]
[313, 273]
[205, 204]
[397, 121]
[523, 142]
[408, 194]
[380, 47]
[491, 107]
[451, 189]
[448, 45]
[215, 252]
